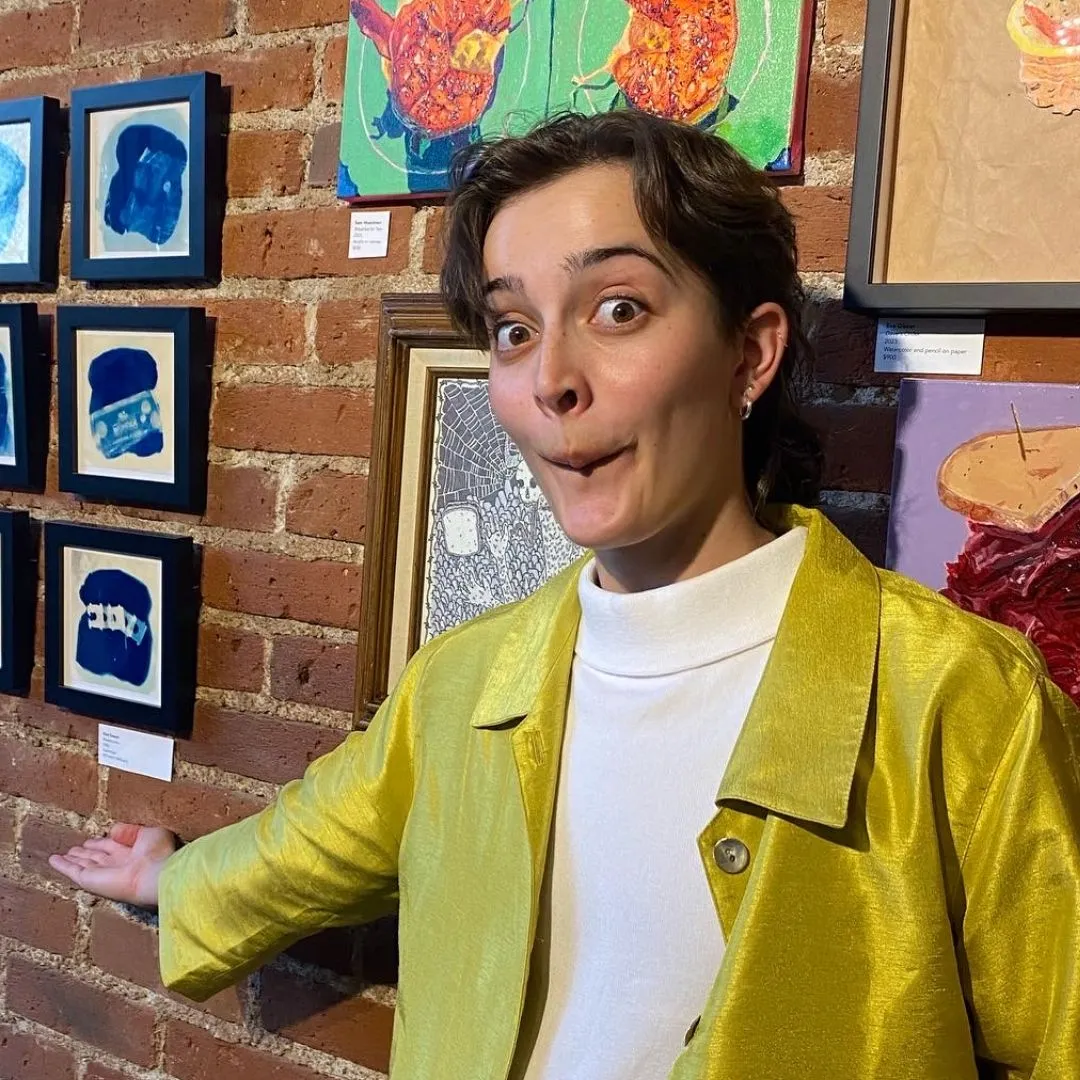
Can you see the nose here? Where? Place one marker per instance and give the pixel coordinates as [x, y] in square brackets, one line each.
[560, 386]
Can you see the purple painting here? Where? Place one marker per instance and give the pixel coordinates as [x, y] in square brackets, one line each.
[985, 505]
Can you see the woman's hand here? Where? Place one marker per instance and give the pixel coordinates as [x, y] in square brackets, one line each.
[125, 865]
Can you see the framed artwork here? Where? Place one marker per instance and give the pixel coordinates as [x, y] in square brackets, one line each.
[133, 394]
[968, 127]
[147, 180]
[121, 614]
[986, 506]
[18, 596]
[422, 80]
[24, 400]
[456, 523]
[31, 190]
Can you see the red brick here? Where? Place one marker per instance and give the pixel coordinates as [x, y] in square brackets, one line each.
[257, 332]
[844, 346]
[104, 1020]
[263, 747]
[38, 714]
[258, 79]
[294, 419]
[330, 504]
[36, 918]
[821, 217]
[241, 498]
[96, 1071]
[26, 1057]
[129, 949]
[336, 950]
[230, 659]
[7, 832]
[845, 21]
[194, 1054]
[265, 163]
[865, 528]
[290, 244]
[187, 808]
[314, 672]
[832, 113]
[858, 441]
[40, 839]
[320, 591]
[433, 244]
[347, 331]
[333, 69]
[36, 38]
[320, 1016]
[1022, 357]
[268, 16]
[49, 776]
[115, 24]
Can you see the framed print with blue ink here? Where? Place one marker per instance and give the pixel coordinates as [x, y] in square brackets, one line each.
[423, 78]
[31, 190]
[147, 180]
[18, 597]
[24, 400]
[121, 613]
[133, 400]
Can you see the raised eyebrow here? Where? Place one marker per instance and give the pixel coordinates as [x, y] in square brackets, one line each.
[582, 260]
[510, 283]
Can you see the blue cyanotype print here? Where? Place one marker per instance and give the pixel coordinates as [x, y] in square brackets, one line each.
[14, 192]
[146, 192]
[7, 426]
[125, 417]
[114, 631]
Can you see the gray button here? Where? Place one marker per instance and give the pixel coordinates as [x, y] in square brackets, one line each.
[690, 1031]
[731, 855]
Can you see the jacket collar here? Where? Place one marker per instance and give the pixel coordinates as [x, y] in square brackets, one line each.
[798, 749]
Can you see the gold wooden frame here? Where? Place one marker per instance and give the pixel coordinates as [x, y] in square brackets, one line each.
[409, 323]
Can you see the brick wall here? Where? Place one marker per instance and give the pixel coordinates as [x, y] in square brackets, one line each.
[283, 535]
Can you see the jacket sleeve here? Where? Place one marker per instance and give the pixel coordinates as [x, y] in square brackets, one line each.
[323, 854]
[1020, 953]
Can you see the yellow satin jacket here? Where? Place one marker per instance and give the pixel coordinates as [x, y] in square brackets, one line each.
[906, 784]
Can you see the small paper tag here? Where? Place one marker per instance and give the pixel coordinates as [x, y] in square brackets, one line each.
[369, 234]
[135, 751]
[930, 346]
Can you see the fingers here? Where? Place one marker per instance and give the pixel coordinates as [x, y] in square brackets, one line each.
[124, 833]
[83, 857]
[107, 846]
[102, 880]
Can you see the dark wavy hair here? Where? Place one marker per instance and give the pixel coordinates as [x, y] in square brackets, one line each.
[700, 201]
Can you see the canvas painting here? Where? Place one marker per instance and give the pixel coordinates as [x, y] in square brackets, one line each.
[986, 508]
[7, 399]
[492, 537]
[125, 404]
[15, 180]
[112, 625]
[424, 78]
[139, 183]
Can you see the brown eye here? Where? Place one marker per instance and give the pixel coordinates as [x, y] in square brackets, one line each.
[619, 310]
[511, 335]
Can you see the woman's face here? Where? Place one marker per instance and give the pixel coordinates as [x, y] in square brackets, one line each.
[609, 367]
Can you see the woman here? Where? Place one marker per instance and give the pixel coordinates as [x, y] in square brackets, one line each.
[724, 801]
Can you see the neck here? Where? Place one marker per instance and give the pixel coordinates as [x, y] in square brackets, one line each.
[683, 550]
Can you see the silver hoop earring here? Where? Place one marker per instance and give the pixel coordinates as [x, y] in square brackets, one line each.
[746, 410]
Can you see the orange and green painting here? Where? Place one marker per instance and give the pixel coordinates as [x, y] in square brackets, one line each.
[425, 77]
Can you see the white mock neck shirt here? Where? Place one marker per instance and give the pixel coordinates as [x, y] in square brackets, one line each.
[629, 942]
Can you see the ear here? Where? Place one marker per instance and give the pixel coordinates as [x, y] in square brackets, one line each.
[763, 341]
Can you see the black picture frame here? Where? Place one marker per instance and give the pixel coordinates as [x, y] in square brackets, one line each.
[45, 190]
[24, 396]
[190, 396]
[882, 63]
[18, 597]
[172, 667]
[204, 179]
